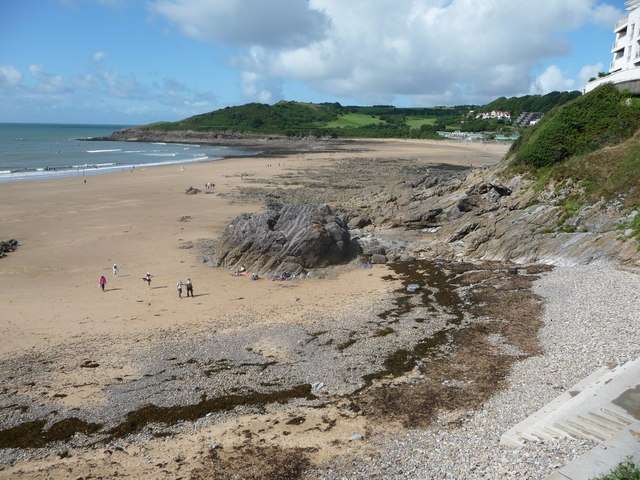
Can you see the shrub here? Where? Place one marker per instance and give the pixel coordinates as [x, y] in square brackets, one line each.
[626, 470]
[600, 118]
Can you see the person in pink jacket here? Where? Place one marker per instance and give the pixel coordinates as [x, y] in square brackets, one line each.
[102, 282]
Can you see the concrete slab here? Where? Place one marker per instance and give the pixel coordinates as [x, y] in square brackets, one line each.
[597, 408]
[602, 459]
[604, 407]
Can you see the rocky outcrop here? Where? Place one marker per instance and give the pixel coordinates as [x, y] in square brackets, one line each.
[7, 246]
[267, 143]
[290, 239]
[136, 134]
[398, 210]
[480, 218]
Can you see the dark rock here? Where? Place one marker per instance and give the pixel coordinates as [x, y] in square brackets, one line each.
[359, 222]
[463, 232]
[192, 191]
[486, 187]
[7, 246]
[291, 239]
[467, 204]
[377, 258]
[371, 246]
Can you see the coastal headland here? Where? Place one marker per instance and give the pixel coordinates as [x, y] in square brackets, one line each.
[341, 373]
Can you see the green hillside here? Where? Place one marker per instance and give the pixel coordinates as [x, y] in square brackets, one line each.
[530, 103]
[601, 118]
[592, 143]
[335, 120]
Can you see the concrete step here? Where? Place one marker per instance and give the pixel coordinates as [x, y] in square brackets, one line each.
[604, 407]
[597, 408]
[602, 459]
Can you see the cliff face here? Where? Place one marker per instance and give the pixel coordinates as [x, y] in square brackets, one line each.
[482, 218]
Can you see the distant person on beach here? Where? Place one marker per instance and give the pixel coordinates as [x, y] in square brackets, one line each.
[147, 278]
[115, 270]
[180, 288]
[189, 287]
[102, 282]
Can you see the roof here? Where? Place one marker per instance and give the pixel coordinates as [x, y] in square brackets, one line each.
[632, 4]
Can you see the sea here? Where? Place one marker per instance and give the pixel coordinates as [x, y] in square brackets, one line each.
[36, 151]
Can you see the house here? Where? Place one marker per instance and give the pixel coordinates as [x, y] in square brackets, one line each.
[496, 114]
[624, 70]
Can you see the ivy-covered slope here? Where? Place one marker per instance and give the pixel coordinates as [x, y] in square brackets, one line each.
[603, 117]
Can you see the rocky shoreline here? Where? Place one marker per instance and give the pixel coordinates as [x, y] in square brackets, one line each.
[266, 144]
[451, 213]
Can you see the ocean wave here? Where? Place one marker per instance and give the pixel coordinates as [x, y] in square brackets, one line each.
[105, 151]
[160, 154]
[93, 165]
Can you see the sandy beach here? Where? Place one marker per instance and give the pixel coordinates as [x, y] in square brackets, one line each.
[71, 232]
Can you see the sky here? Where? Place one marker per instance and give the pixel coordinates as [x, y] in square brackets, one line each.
[140, 61]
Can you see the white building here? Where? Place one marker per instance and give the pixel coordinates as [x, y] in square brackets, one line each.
[624, 71]
[495, 114]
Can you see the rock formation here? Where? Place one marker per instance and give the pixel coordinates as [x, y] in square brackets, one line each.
[479, 218]
[290, 239]
[7, 246]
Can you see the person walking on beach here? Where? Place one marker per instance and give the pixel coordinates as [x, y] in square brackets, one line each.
[102, 282]
[189, 287]
[147, 278]
[180, 288]
[115, 270]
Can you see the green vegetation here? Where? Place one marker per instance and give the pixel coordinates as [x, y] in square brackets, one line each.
[604, 117]
[335, 120]
[626, 470]
[531, 103]
[353, 120]
[588, 150]
[634, 226]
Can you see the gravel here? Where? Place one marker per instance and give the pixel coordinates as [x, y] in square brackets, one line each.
[590, 321]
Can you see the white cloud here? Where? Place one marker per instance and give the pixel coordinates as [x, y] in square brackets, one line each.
[98, 56]
[10, 76]
[47, 82]
[260, 88]
[84, 82]
[458, 50]
[245, 22]
[606, 15]
[589, 71]
[552, 79]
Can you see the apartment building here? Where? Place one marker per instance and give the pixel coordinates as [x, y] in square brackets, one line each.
[624, 70]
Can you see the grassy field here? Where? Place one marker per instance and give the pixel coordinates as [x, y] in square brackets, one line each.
[417, 122]
[353, 120]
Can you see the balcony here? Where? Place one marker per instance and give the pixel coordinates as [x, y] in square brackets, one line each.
[618, 44]
[621, 23]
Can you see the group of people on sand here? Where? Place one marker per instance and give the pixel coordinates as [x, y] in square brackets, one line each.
[189, 286]
[102, 282]
[209, 185]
